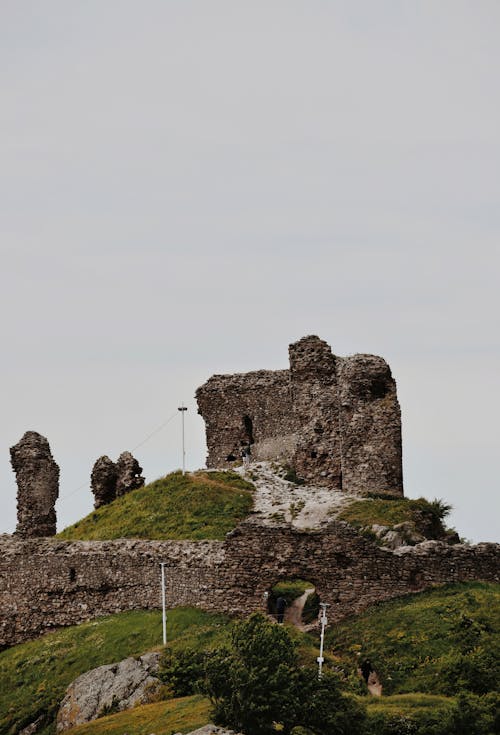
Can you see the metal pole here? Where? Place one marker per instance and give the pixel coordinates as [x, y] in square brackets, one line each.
[163, 604]
[324, 622]
[182, 408]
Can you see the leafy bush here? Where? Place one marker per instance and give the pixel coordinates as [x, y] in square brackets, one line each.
[256, 686]
[183, 671]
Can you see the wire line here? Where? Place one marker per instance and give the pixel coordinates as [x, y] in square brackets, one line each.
[149, 436]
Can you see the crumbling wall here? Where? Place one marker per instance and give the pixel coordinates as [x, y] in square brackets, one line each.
[315, 391]
[103, 481]
[48, 583]
[129, 475]
[336, 420]
[109, 480]
[37, 476]
[249, 409]
[370, 420]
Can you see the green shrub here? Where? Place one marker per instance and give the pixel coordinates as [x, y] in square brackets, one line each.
[256, 686]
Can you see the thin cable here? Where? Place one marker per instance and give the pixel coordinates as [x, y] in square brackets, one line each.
[149, 436]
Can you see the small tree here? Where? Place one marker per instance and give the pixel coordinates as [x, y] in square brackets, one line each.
[258, 684]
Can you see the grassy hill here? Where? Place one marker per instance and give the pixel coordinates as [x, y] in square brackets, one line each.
[34, 675]
[198, 505]
[438, 642]
[426, 648]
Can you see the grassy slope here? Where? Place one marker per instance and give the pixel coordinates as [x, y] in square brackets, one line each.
[413, 641]
[163, 718]
[425, 516]
[406, 639]
[201, 505]
[34, 675]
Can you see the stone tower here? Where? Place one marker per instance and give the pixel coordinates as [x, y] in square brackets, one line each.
[335, 420]
[37, 476]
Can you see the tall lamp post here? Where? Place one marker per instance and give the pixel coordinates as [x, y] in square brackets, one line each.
[324, 622]
[182, 408]
[163, 604]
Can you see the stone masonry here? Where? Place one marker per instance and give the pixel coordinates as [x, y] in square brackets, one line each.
[109, 480]
[335, 420]
[37, 476]
[49, 583]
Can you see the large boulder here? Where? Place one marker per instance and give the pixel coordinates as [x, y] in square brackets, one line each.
[109, 688]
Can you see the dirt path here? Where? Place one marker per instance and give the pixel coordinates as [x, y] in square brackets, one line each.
[293, 614]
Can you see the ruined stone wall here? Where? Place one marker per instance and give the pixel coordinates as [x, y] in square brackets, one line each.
[251, 408]
[47, 583]
[370, 420]
[336, 420]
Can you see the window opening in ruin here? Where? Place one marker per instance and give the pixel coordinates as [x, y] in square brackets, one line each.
[72, 574]
[301, 601]
[314, 454]
[248, 427]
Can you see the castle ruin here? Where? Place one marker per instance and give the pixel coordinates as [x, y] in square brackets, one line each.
[335, 420]
[37, 476]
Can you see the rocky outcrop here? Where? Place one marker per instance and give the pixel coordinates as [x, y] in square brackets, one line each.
[103, 481]
[37, 476]
[128, 474]
[110, 688]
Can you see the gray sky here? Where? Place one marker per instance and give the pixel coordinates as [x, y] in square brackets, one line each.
[188, 187]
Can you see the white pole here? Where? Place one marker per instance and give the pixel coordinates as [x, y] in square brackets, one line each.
[163, 604]
[324, 622]
[182, 408]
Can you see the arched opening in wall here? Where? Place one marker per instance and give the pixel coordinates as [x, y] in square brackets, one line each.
[72, 574]
[247, 431]
[293, 601]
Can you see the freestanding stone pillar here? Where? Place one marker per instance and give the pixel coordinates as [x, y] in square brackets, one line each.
[37, 476]
[128, 474]
[103, 481]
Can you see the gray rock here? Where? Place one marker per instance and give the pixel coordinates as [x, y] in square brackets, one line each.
[118, 686]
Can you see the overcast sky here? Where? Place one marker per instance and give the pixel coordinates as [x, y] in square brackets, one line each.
[187, 187]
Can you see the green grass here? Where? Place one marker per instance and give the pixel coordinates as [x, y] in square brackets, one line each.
[416, 644]
[201, 505]
[34, 675]
[437, 642]
[406, 704]
[426, 516]
[162, 718]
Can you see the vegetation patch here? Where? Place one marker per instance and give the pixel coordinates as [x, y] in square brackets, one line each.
[162, 718]
[441, 641]
[200, 505]
[425, 518]
[35, 675]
